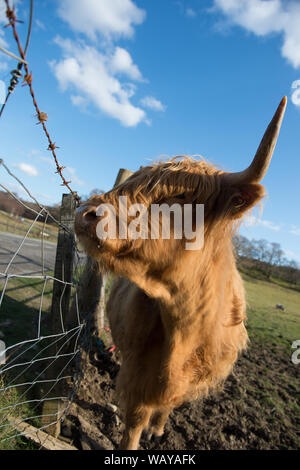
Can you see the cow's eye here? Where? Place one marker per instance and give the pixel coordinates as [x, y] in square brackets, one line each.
[181, 196]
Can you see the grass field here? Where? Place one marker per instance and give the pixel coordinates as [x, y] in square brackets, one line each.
[265, 322]
[19, 315]
[272, 333]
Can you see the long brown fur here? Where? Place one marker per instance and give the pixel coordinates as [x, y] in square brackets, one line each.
[177, 316]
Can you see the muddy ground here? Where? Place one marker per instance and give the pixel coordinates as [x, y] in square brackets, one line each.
[259, 407]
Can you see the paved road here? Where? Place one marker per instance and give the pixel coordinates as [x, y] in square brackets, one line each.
[29, 259]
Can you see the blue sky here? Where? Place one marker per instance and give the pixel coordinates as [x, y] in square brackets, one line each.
[125, 82]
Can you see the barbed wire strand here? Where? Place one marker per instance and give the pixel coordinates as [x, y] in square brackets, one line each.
[16, 73]
[42, 116]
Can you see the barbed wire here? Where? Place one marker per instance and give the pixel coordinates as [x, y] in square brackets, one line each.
[41, 115]
[17, 73]
[25, 382]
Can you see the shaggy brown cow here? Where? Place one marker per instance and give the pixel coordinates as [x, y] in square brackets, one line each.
[176, 315]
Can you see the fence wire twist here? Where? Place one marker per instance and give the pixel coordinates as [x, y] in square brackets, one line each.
[27, 359]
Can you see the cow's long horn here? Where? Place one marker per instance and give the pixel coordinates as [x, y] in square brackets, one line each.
[260, 164]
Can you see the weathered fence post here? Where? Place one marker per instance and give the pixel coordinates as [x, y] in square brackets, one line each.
[122, 176]
[60, 304]
[92, 289]
[100, 312]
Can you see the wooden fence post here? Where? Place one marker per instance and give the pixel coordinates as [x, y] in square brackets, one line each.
[122, 176]
[92, 292]
[100, 312]
[60, 305]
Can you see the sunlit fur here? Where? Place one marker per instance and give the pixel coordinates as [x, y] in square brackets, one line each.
[177, 316]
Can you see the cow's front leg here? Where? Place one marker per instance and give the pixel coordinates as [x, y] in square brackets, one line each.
[136, 419]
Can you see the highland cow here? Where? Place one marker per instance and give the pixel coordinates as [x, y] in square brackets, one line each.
[177, 316]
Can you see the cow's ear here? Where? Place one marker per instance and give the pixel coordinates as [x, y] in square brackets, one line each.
[244, 197]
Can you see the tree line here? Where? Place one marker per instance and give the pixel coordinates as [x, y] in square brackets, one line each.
[267, 258]
[10, 203]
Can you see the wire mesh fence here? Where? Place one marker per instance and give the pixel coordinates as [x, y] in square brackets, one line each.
[41, 327]
[48, 293]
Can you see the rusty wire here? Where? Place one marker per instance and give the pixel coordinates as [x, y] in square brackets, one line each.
[42, 116]
[16, 73]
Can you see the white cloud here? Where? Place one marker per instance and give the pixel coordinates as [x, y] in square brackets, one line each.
[295, 231]
[291, 255]
[190, 13]
[26, 168]
[3, 43]
[152, 103]
[186, 11]
[48, 160]
[101, 77]
[3, 18]
[90, 74]
[2, 90]
[252, 221]
[264, 17]
[296, 93]
[78, 100]
[3, 21]
[270, 225]
[40, 24]
[110, 18]
[72, 172]
[121, 62]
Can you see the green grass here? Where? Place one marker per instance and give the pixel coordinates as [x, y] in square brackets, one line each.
[7, 433]
[20, 308]
[255, 272]
[19, 314]
[267, 323]
[282, 283]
